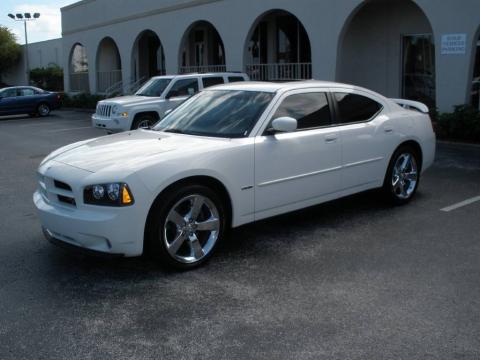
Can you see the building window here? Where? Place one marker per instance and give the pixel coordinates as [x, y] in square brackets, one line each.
[418, 78]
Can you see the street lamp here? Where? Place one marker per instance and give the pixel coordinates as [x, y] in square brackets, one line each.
[25, 17]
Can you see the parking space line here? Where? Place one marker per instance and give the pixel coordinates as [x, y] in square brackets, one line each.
[68, 129]
[461, 204]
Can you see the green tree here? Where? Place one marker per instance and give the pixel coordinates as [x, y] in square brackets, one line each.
[10, 51]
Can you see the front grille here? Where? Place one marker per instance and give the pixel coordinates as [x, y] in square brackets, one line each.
[67, 199]
[56, 191]
[104, 110]
[62, 185]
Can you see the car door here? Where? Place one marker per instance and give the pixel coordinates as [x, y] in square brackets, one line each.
[27, 100]
[180, 91]
[299, 168]
[8, 101]
[365, 132]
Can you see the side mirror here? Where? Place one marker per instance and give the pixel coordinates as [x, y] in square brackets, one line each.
[284, 124]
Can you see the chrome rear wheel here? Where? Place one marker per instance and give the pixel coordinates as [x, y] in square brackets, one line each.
[405, 176]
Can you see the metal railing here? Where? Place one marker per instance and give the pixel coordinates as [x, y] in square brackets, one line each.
[108, 79]
[134, 85]
[202, 69]
[79, 82]
[279, 72]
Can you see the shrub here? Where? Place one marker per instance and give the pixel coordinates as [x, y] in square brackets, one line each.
[82, 101]
[49, 78]
[462, 124]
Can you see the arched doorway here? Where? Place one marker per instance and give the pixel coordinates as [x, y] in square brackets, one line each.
[201, 49]
[148, 57]
[388, 46]
[278, 48]
[78, 66]
[109, 66]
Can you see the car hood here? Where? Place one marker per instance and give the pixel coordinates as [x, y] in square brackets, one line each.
[130, 100]
[130, 150]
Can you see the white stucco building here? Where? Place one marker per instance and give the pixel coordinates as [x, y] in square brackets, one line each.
[418, 49]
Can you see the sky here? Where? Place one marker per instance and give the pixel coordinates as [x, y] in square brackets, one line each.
[48, 26]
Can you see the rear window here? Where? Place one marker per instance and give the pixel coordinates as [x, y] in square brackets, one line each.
[235, 79]
[212, 81]
[355, 108]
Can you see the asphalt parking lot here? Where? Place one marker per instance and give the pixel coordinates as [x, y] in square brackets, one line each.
[351, 279]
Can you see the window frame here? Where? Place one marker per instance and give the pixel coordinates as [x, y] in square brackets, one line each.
[354, 92]
[174, 81]
[212, 77]
[279, 101]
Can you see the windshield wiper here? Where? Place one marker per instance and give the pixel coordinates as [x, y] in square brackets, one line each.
[175, 131]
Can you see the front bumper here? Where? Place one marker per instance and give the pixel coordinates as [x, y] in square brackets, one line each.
[109, 231]
[114, 124]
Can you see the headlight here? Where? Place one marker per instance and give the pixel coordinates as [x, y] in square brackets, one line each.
[111, 194]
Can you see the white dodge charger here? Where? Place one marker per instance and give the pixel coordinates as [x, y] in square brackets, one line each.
[230, 155]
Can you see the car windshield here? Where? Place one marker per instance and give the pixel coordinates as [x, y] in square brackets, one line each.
[217, 113]
[153, 87]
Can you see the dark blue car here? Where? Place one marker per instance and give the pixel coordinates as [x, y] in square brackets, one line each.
[27, 100]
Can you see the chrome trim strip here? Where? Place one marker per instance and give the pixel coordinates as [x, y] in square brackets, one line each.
[362, 162]
[272, 182]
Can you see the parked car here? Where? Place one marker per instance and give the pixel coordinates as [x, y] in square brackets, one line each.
[228, 156]
[28, 100]
[158, 96]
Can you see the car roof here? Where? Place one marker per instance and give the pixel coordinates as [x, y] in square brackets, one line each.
[194, 75]
[275, 87]
[21, 87]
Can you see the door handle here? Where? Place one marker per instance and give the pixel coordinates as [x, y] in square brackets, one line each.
[331, 138]
[388, 130]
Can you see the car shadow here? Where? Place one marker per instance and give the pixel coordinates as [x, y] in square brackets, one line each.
[241, 242]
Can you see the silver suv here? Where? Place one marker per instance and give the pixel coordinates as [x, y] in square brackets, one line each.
[158, 96]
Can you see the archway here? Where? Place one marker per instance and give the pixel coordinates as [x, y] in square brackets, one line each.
[148, 57]
[388, 46]
[109, 66]
[201, 49]
[278, 48]
[78, 67]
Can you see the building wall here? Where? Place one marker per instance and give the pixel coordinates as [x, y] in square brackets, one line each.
[326, 21]
[41, 54]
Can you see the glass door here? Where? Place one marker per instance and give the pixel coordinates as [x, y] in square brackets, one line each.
[418, 75]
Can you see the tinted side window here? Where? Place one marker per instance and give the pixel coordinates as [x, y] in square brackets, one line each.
[185, 87]
[27, 92]
[355, 108]
[235, 79]
[211, 81]
[9, 93]
[311, 110]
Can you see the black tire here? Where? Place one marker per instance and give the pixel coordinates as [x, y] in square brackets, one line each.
[43, 109]
[142, 121]
[157, 227]
[400, 195]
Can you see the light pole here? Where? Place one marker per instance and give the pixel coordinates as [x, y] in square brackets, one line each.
[25, 17]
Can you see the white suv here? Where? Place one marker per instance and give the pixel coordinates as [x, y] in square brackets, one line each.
[157, 97]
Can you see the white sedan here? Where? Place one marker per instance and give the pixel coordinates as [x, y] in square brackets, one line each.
[230, 155]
